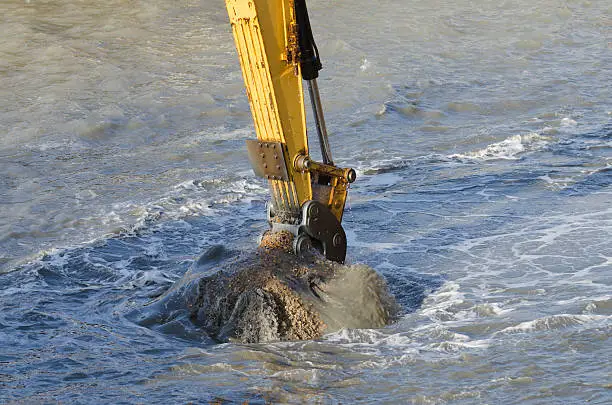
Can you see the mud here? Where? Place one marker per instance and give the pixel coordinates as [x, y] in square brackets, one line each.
[270, 295]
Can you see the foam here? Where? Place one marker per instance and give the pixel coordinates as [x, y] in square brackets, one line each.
[193, 198]
[599, 305]
[151, 276]
[427, 328]
[553, 322]
[392, 163]
[453, 347]
[190, 198]
[365, 65]
[510, 148]
[392, 349]
[350, 337]
[568, 123]
[438, 306]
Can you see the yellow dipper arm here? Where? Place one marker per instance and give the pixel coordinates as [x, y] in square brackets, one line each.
[266, 40]
[276, 52]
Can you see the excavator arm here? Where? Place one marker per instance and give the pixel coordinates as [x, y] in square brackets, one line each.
[277, 54]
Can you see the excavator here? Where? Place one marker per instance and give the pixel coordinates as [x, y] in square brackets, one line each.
[277, 54]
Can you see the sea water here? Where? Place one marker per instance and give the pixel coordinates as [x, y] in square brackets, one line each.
[482, 136]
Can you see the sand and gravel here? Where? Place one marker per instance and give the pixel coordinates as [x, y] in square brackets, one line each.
[273, 295]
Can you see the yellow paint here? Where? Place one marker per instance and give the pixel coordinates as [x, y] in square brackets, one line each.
[264, 32]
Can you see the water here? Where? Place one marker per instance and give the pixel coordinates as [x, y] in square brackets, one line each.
[481, 132]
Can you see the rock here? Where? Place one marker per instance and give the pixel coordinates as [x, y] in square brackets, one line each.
[273, 295]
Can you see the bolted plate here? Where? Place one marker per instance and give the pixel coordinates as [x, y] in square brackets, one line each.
[267, 159]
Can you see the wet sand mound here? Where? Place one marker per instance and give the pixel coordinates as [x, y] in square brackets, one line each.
[272, 295]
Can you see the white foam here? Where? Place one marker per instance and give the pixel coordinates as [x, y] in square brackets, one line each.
[509, 149]
[396, 162]
[437, 306]
[365, 65]
[349, 336]
[155, 248]
[380, 363]
[194, 198]
[57, 258]
[145, 277]
[551, 323]
[557, 183]
[189, 198]
[309, 376]
[595, 302]
[452, 347]
[568, 123]
[354, 241]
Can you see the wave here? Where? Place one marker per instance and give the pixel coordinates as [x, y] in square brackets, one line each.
[200, 197]
[209, 198]
[552, 322]
[510, 148]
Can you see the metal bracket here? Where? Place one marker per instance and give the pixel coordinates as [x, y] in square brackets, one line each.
[319, 224]
[267, 159]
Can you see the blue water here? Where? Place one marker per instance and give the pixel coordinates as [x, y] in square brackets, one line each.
[482, 137]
